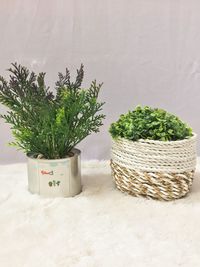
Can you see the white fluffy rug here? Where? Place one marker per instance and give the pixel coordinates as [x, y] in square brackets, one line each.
[101, 227]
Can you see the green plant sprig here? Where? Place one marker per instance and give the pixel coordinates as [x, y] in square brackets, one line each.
[46, 124]
[150, 123]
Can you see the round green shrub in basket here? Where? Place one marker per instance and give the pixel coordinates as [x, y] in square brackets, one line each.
[153, 154]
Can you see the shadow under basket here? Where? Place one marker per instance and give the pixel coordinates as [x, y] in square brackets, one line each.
[162, 170]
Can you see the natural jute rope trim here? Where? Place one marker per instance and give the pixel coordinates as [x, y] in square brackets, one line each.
[155, 169]
[161, 186]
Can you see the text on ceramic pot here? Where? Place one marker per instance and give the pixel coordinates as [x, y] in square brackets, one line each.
[54, 183]
[46, 172]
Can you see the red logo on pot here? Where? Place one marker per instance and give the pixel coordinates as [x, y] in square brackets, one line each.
[46, 172]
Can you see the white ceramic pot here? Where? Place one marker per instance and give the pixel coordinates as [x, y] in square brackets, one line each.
[55, 178]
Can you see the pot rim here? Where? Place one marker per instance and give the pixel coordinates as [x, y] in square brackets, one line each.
[74, 150]
[150, 141]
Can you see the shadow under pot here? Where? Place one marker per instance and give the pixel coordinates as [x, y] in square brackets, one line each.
[55, 177]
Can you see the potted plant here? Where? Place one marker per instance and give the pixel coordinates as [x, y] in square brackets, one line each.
[48, 127]
[153, 154]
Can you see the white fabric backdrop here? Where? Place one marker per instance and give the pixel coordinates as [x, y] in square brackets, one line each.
[145, 51]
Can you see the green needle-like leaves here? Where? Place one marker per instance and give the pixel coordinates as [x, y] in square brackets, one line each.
[46, 124]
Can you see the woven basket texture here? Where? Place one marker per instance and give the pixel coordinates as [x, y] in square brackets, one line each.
[154, 169]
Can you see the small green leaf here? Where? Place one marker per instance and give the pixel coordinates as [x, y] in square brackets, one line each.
[149, 123]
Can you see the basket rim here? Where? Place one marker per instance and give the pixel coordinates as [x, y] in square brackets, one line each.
[150, 141]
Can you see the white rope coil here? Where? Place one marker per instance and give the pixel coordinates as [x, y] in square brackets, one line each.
[155, 156]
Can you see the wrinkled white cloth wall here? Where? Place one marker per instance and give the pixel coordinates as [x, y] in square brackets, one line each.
[145, 52]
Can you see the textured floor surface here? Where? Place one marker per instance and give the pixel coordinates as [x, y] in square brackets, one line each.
[101, 227]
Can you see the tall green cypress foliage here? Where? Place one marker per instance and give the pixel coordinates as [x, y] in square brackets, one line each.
[44, 123]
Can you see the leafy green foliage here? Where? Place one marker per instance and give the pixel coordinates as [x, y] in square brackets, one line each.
[149, 123]
[46, 124]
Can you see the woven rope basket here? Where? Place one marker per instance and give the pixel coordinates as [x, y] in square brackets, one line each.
[154, 169]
